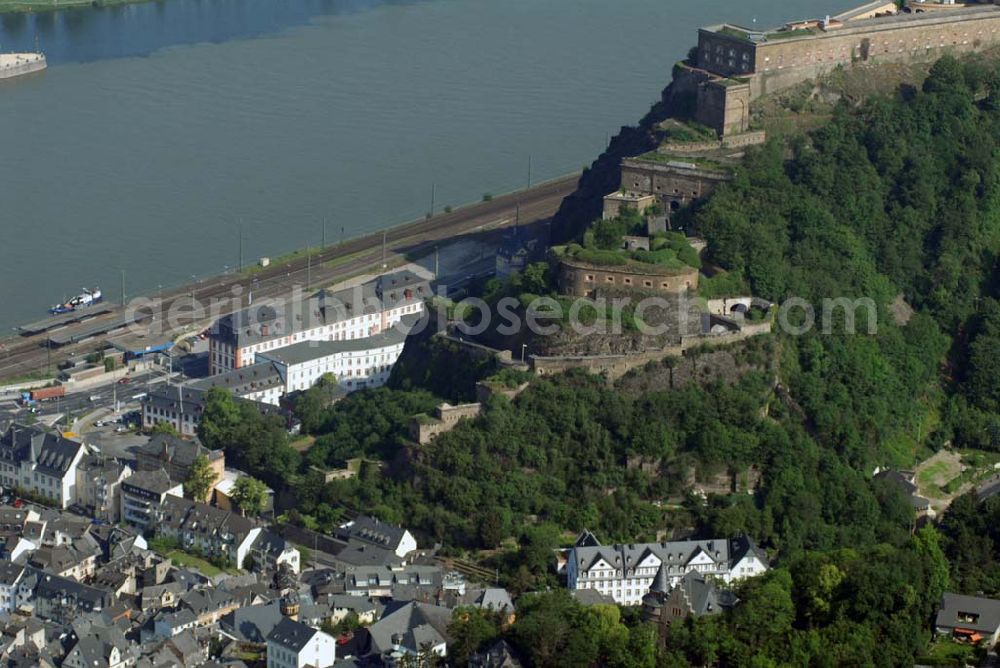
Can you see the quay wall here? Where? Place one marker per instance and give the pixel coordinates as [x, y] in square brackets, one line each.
[18, 64]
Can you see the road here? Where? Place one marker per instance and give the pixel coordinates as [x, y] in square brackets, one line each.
[20, 356]
[97, 399]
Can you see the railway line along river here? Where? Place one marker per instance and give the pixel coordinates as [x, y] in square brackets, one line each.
[161, 130]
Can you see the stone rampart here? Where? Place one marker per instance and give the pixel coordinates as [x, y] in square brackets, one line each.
[616, 366]
[677, 183]
[741, 140]
[579, 279]
[771, 62]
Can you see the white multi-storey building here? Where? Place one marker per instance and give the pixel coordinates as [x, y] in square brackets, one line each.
[626, 572]
[292, 644]
[354, 313]
[356, 363]
[40, 462]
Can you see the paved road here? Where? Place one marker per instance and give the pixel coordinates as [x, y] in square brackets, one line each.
[94, 401]
[23, 355]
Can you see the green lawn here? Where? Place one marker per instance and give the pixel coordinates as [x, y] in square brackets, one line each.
[185, 560]
[929, 476]
[946, 652]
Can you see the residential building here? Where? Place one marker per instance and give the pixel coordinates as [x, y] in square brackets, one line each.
[10, 578]
[352, 313]
[212, 531]
[21, 531]
[408, 629]
[626, 572]
[77, 560]
[98, 486]
[969, 618]
[291, 644]
[251, 624]
[90, 652]
[376, 533]
[143, 494]
[176, 456]
[41, 463]
[60, 599]
[209, 605]
[270, 551]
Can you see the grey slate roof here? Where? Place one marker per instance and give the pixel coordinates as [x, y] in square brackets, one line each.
[55, 587]
[416, 624]
[157, 482]
[702, 595]
[182, 453]
[291, 635]
[10, 573]
[493, 598]
[742, 545]
[246, 380]
[252, 623]
[52, 453]
[675, 554]
[986, 612]
[374, 532]
[266, 321]
[305, 351]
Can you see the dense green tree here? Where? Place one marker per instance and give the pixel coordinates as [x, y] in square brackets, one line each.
[200, 479]
[250, 495]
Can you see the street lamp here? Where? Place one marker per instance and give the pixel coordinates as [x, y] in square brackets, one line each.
[524, 347]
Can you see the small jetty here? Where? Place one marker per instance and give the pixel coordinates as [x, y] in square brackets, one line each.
[18, 64]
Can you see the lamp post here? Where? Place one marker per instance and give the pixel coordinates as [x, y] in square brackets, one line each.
[524, 348]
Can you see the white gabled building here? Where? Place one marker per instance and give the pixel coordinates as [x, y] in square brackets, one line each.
[291, 644]
[379, 534]
[40, 462]
[626, 572]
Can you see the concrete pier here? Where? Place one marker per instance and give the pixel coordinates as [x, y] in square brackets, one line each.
[16, 64]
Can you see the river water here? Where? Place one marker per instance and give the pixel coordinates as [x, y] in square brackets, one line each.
[160, 129]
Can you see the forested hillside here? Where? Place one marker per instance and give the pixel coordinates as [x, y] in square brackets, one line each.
[900, 196]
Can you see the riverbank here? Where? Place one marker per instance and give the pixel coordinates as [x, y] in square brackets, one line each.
[26, 6]
[21, 355]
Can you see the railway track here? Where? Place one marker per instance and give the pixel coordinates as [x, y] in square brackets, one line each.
[20, 356]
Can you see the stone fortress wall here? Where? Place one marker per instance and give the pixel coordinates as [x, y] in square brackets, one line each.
[579, 279]
[676, 183]
[748, 64]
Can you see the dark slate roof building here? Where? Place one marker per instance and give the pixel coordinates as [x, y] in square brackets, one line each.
[175, 455]
[408, 627]
[969, 618]
[40, 461]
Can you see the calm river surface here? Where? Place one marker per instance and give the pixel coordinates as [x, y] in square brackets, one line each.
[159, 127]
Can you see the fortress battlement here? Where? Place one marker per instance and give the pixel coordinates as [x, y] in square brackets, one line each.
[743, 64]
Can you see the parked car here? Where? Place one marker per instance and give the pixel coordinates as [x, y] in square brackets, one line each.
[124, 381]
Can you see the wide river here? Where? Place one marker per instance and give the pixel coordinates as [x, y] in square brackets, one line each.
[159, 129]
